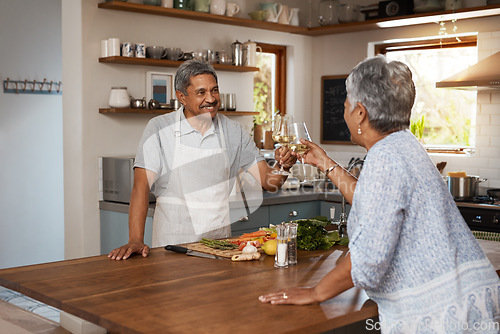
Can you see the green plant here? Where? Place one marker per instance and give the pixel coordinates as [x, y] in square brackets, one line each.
[417, 127]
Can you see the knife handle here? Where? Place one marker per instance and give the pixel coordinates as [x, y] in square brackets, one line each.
[177, 249]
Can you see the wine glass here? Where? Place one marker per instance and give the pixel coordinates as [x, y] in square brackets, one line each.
[281, 128]
[298, 131]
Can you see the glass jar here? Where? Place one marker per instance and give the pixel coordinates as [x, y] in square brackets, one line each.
[348, 13]
[281, 257]
[328, 12]
[292, 243]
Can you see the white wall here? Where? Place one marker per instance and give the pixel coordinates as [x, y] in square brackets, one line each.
[31, 191]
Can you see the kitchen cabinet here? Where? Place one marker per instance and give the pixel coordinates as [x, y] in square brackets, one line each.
[286, 212]
[432, 17]
[275, 214]
[114, 230]
[258, 218]
[114, 217]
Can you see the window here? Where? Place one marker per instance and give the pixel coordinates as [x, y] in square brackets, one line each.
[270, 82]
[443, 119]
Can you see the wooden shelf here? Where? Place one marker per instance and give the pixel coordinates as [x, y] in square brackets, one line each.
[461, 14]
[165, 111]
[407, 20]
[169, 63]
[198, 16]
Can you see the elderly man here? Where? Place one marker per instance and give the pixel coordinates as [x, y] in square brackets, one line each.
[190, 160]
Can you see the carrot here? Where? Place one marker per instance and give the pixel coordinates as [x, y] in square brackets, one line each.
[254, 234]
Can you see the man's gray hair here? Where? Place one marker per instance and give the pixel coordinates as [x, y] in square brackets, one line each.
[386, 90]
[189, 69]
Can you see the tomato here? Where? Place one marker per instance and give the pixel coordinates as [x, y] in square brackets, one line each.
[242, 245]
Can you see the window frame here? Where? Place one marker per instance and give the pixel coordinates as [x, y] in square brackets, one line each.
[426, 44]
[280, 80]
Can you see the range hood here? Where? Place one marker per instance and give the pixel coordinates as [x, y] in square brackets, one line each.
[485, 75]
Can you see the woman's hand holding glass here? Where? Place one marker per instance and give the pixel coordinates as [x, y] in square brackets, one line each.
[314, 155]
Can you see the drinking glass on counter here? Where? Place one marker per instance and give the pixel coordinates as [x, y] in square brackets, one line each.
[281, 128]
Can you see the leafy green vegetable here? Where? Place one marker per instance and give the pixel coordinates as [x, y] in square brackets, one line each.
[312, 235]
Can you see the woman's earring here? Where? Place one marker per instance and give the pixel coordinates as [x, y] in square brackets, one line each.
[359, 129]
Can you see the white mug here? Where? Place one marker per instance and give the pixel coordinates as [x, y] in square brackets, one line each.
[113, 47]
[218, 7]
[232, 9]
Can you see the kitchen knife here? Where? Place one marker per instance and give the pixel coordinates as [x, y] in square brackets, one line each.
[184, 250]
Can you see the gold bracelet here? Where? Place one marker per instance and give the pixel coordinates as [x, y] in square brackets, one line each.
[330, 169]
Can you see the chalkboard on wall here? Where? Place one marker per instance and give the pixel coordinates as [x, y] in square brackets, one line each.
[333, 94]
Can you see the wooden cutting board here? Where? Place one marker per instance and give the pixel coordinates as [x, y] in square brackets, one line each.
[199, 247]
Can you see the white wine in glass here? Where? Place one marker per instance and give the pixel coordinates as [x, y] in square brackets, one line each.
[281, 128]
[298, 131]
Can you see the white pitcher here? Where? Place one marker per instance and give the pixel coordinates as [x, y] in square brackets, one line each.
[284, 14]
[250, 53]
[294, 16]
[272, 9]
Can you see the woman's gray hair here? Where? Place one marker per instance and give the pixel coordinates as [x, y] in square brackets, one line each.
[189, 69]
[386, 90]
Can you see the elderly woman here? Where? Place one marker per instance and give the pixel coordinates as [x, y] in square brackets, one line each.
[409, 248]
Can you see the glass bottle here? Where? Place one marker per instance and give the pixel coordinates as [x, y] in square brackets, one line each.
[281, 257]
[328, 12]
[292, 244]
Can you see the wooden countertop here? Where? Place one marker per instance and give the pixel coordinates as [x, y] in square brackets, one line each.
[170, 292]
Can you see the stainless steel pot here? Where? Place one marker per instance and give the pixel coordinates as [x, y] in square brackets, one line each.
[464, 188]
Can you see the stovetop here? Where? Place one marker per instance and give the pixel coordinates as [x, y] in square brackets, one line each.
[485, 202]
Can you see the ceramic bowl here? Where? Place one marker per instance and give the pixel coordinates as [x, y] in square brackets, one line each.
[259, 15]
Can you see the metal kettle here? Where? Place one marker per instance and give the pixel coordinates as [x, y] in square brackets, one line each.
[237, 50]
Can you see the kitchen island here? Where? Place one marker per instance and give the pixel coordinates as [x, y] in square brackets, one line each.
[176, 293]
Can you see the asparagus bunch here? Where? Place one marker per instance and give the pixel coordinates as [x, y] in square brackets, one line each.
[218, 244]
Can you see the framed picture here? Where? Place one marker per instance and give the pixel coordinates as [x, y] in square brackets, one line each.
[333, 94]
[159, 86]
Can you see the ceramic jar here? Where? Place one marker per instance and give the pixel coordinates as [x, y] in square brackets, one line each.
[119, 97]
